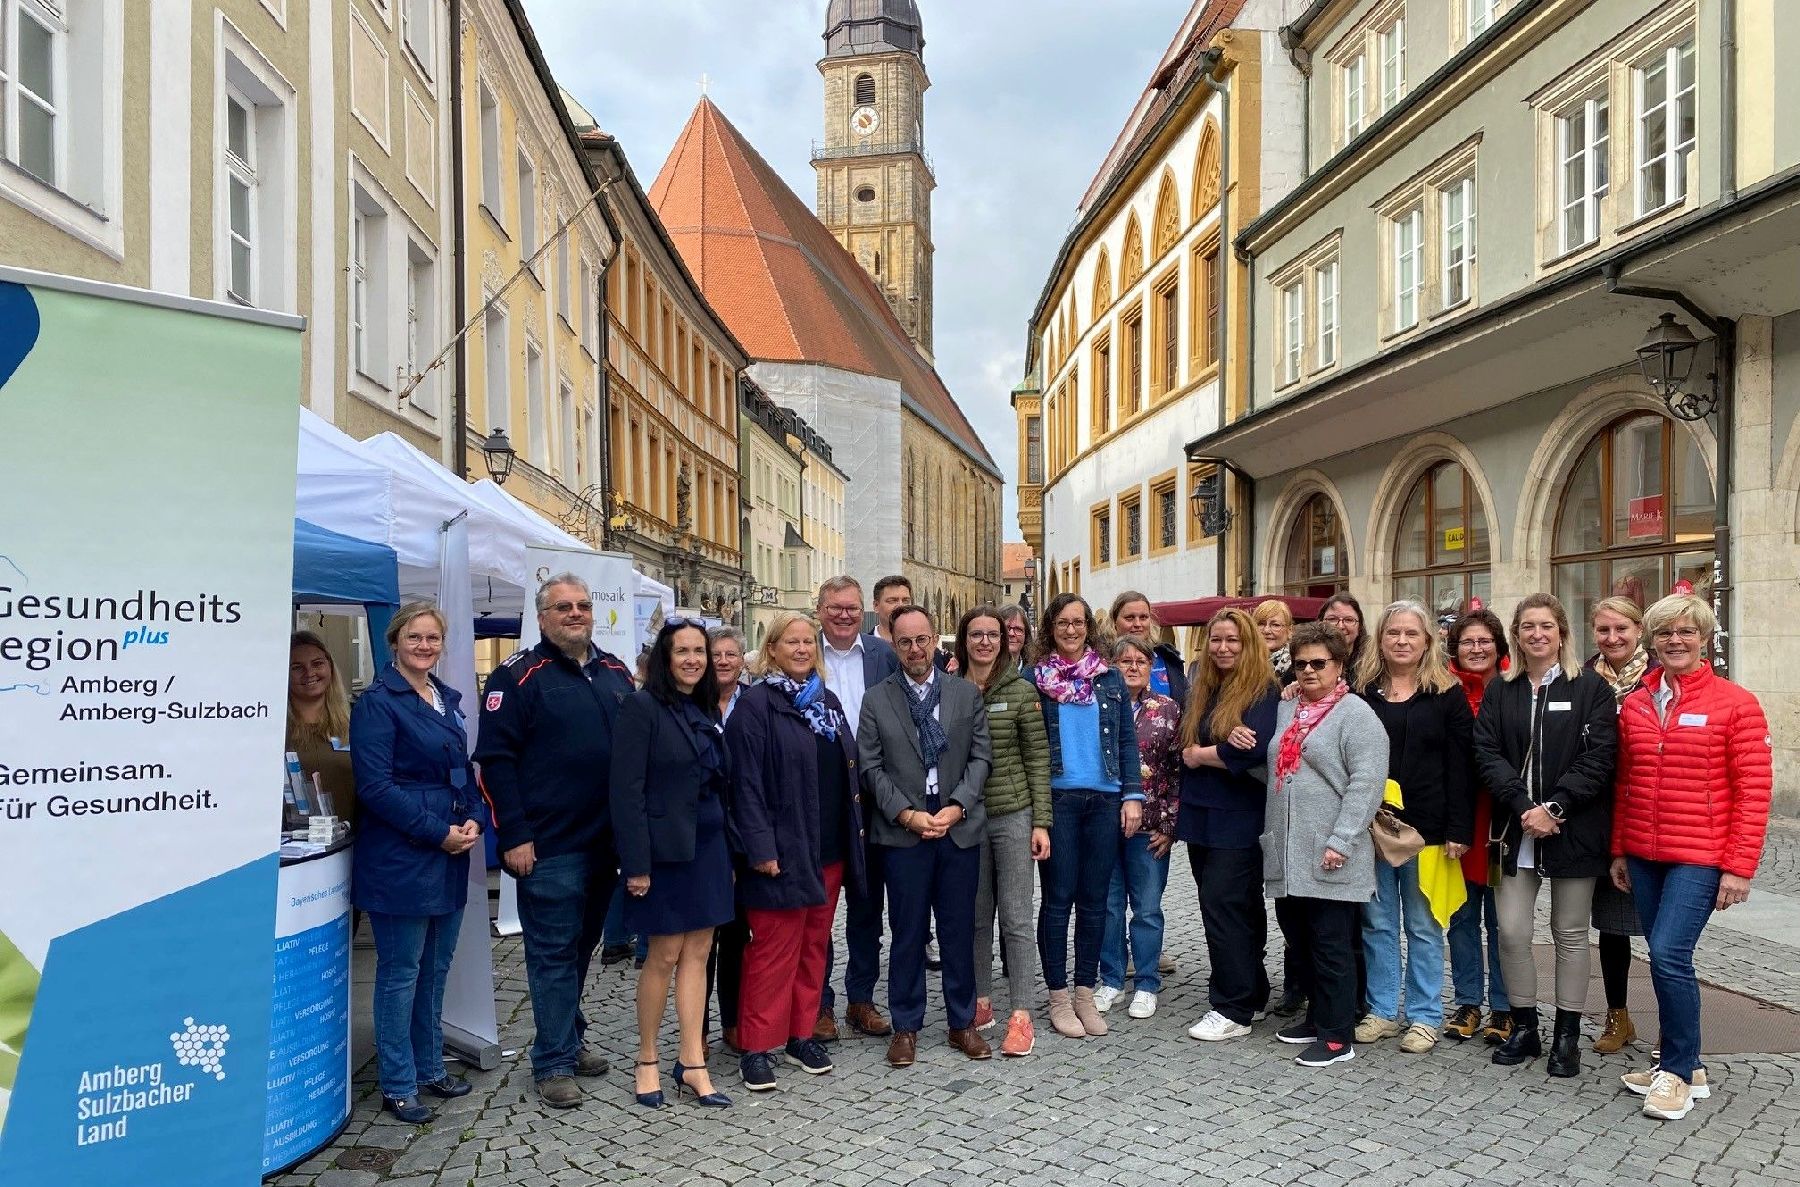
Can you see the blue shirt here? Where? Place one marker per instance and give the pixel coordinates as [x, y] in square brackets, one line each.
[1079, 738]
[1159, 676]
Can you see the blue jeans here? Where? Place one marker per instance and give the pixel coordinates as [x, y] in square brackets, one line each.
[1140, 878]
[412, 959]
[1464, 939]
[562, 908]
[1674, 903]
[1400, 905]
[1084, 852]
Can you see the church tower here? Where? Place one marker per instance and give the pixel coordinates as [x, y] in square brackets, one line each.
[875, 181]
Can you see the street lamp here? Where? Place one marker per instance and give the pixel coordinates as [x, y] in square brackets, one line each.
[1666, 357]
[1208, 499]
[499, 454]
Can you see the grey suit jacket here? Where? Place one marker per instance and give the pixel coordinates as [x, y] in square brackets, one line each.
[894, 768]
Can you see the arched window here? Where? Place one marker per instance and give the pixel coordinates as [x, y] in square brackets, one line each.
[1206, 172]
[1131, 256]
[865, 89]
[1316, 565]
[1167, 227]
[1637, 513]
[1441, 547]
[1102, 284]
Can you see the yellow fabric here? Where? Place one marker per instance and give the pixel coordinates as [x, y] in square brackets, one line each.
[1440, 875]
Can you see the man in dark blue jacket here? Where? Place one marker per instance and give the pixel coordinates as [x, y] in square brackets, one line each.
[545, 750]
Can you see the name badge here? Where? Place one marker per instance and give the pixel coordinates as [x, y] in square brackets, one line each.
[1000, 708]
[1559, 706]
[339, 744]
[1691, 719]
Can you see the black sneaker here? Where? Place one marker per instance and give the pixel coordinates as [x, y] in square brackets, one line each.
[1324, 1054]
[1301, 1033]
[1289, 1004]
[758, 1071]
[613, 954]
[808, 1055]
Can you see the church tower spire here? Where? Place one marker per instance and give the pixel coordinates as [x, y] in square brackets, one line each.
[874, 179]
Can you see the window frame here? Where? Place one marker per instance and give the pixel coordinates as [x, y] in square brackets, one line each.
[1593, 151]
[14, 94]
[425, 59]
[1100, 413]
[1368, 71]
[1165, 379]
[1164, 485]
[1100, 529]
[1676, 157]
[1130, 503]
[1293, 332]
[1131, 365]
[1463, 188]
[1327, 330]
[1433, 570]
[242, 171]
[1310, 583]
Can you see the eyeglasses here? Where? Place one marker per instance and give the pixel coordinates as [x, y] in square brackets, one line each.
[565, 607]
[916, 643]
[1477, 644]
[1686, 634]
[983, 636]
[1311, 665]
[1345, 620]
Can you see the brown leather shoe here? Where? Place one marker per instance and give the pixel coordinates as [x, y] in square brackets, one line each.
[731, 1041]
[968, 1040]
[903, 1049]
[864, 1018]
[825, 1030]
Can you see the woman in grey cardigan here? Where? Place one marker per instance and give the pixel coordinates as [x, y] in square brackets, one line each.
[1326, 778]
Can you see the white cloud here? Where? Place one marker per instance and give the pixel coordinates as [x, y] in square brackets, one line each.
[1026, 98]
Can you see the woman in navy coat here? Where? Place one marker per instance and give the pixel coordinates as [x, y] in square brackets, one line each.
[796, 819]
[670, 776]
[415, 827]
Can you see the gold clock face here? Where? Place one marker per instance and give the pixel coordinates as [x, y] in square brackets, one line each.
[864, 121]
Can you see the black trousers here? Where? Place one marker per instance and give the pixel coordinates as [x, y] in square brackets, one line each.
[725, 967]
[1291, 919]
[1324, 937]
[1237, 928]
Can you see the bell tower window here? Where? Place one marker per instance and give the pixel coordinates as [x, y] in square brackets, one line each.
[865, 90]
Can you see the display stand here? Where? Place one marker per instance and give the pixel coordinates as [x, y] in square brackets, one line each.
[309, 1032]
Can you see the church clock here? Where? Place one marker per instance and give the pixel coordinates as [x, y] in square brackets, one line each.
[864, 121]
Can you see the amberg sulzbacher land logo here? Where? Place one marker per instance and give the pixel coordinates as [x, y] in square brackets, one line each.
[201, 1046]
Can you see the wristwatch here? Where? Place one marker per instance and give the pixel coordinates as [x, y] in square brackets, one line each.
[1555, 809]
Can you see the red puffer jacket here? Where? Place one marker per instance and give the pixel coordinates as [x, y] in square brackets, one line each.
[1693, 791]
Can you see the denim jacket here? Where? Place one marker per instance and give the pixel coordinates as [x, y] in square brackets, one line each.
[1118, 733]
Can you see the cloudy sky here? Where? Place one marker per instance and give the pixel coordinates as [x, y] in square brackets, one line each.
[1026, 98]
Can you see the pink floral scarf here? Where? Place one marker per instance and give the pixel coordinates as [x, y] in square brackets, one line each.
[1069, 682]
[1307, 716]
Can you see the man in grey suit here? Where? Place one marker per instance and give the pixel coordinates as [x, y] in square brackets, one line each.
[925, 751]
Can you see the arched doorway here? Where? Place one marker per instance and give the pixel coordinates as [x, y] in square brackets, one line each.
[1316, 563]
[1636, 514]
[1441, 548]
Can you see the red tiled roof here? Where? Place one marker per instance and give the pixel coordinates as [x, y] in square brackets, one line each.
[1013, 555]
[783, 283]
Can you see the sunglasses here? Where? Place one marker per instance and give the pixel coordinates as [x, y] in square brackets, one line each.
[1311, 665]
[675, 622]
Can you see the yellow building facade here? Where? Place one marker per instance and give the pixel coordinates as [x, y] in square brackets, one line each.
[536, 240]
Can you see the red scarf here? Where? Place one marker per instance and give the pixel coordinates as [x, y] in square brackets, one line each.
[1307, 716]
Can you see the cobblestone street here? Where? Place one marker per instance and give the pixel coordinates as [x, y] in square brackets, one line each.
[1142, 1105]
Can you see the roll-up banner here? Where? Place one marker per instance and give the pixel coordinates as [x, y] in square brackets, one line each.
[146, 536]
[613, 583]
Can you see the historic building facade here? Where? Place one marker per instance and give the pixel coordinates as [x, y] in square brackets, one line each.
[874, 179]
[1476, 425]
[773, 529]
[1140, 332]
[536, 236]
[288, 156]
[670, 479]
[924, 495]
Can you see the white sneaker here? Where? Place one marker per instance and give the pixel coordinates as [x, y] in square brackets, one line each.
[1669, 1098]
[1143, 1004]
[1639, 1082]
[1105, 996]
[1216, 1028]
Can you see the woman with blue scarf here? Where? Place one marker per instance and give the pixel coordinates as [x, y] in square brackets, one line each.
[796, 821]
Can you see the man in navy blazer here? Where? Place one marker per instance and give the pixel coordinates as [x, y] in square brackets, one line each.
[854, 663]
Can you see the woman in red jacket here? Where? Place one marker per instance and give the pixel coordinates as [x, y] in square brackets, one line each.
[1691, 805]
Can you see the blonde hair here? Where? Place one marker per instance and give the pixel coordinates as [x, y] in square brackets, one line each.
[1670, 610]
[336, 723]
[1272, 610]
[403, 618]
[1434, 673]
[1566, 655]
[1230, 694]
[764, 663]
[1624, 607]
[1157, 633]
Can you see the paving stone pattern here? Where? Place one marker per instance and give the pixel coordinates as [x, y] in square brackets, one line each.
[1143, 1105]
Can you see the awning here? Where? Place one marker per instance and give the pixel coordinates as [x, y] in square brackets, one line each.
[1199, 611]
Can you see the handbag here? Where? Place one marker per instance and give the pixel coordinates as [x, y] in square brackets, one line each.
[1397, 841]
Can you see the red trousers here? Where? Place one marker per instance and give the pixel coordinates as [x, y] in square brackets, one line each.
[784, 970]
